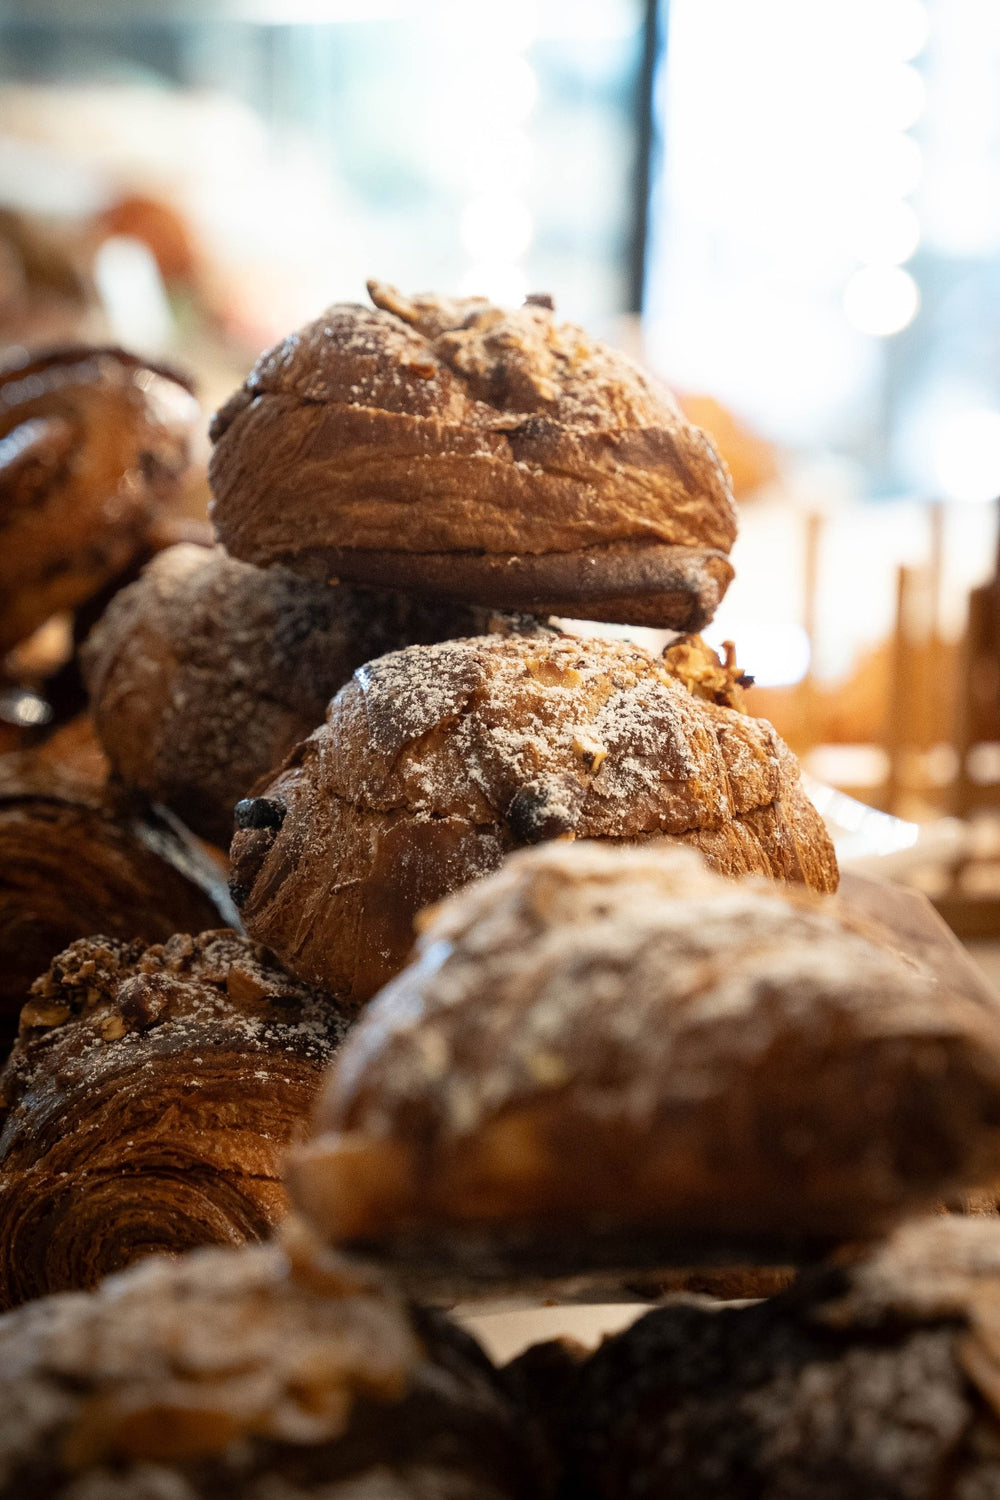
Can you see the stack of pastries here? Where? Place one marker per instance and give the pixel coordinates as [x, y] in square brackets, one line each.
[639, 1044]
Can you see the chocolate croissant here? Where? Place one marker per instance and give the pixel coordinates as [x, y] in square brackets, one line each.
[229, 1375]
[436, 761]
[206, 672]
[607, 1057]
[93, 447]
[148, 1102]
[72, 862]
[443, 446]
[877, 1379]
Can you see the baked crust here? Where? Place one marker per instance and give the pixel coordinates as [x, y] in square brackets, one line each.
[93, 446]
[207, 671]
[147, 1104]
[436, 761]
[446, 446]
[74, 861]
[602, 1043]
[881, 1378]
[228, 1375]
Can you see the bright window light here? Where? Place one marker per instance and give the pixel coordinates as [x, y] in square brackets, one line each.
[967, 455]
[881, 300]
[887, 234]
[775, 653]
[496, 226]
[499, 281]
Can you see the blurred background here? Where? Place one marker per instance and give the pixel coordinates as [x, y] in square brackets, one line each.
[790, 211]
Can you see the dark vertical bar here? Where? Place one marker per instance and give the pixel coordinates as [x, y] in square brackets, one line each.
[654, 28]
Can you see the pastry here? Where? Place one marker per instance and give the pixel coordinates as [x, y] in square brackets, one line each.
[147, 1103]
[443, 446]
[207, 671]
[72, 863]
[613, 1056]
[93, 447]
[879, 1379]
[229, 1376]
[436, 761]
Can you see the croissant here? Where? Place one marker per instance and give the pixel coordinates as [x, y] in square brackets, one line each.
[93, 447]
[604, 1056]
[227, 1373]
[438, 760]
[148, 1101]
[875, 1379]
[207, 671]
[72, 862]
[443, 446]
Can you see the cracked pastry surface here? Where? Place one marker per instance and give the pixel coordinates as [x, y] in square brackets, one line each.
[205, 672]
[444, 445]
[436, 761]
[148, 1102]
[601, 1039]
[74, 862]
[230, 1375]
[93, 445]
[877, 1379]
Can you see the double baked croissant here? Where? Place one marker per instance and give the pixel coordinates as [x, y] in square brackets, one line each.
[207, 671]
[880, 1378]
[73, 862]
[230, 1374]
[448, 447]
[604, 1055]
[148, 1103]
[93, 447]
[436, 761]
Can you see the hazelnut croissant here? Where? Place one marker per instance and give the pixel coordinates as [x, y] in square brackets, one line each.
[228, 1375]
[438, 760]
[148, 1102]
[93, 447]
[444, 446]
[74, 862]
[601, 1056]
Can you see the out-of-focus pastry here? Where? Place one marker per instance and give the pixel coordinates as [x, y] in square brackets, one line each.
[228, 1374]
[878, 1379]
[436, 761]
[148, 1102]
[94, 444]
[73, 863]
[207, 671]
[605, 1056]
[448, 447]
[749, 458]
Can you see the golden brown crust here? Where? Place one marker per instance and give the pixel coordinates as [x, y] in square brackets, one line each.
[881, 1379]
[436, 761]
[148, 1102]
[74, 862]
[228, 1375]
[207, 671]
[93, 444]
[600, 1039]
[466, 442]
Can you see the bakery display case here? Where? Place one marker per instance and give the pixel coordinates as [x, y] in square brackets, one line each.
[499, 745]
